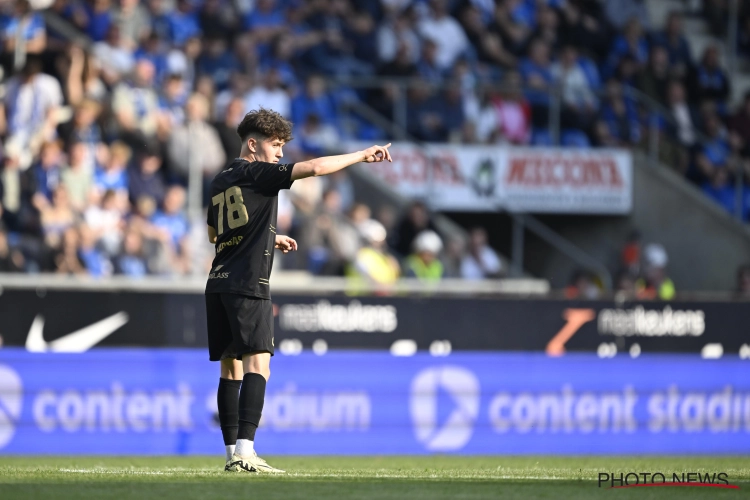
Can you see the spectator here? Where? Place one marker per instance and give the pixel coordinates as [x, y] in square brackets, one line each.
[116, 54]
[146, 179]
[269, 95]
[681, 114]
[673, 40]
[655, 284]
[26, 26]
[77, 180]
[654, 79]
[396, 35]
[135, 104]
[183, 23]
[172, 221]
[514, 111]
[84, 128]
[315, 100]
[715, 152]
[227, 128]
[32, 102]
[424, 263]
[16, 192]
[217, 62]
[739, 122]
[582, 286]
[195, 143]
[131, 262]
[265, 21]
[57, 218]
[113, 173]
[133, 20]
[428, 66]
[95, 261]
[630, 256]
[372, 263]
[84, 79]
[11, 260]
[631, 43]
[481, 261]
[416, 220]
[172, 102]
[332, 240]
[104, 221]
[578, 97]
[218, 19]
[620, 116]
[721, 190]
[67, 259]
[445, 32]
[583, 26]
[708, 81]
[48, 171]
[536, 71]
[316, 138]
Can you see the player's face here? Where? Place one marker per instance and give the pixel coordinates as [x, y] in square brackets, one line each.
[270, 150]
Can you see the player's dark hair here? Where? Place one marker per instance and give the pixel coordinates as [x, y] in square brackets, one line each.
[265, 123]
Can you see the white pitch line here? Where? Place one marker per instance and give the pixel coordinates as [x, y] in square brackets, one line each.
[309, 475]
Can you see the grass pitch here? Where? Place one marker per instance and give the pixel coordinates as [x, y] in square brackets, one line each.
[363, 478]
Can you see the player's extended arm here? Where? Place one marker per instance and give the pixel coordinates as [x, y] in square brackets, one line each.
[211, 235]
[330, 164]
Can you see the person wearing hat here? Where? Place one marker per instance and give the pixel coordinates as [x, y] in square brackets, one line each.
[655, 284]
[424, 263]
[372, 262]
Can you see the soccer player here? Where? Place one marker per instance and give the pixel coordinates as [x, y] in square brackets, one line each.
[242, 226]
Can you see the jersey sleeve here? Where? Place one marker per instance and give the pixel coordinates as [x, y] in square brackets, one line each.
[210, 215]
[272, 177]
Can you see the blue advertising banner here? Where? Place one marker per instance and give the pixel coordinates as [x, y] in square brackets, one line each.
[162, 401]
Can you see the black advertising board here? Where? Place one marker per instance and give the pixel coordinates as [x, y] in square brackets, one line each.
[56, 317]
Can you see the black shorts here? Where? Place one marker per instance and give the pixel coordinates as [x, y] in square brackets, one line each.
[238, 325]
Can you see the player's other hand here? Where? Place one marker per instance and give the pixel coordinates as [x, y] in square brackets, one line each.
[376, 154]
[285, 244]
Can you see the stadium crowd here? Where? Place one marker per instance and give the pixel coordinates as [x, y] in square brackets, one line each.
[98, 138]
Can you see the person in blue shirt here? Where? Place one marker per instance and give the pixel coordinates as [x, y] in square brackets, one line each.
[49, 168]
[171, 219]
[620, 115]
[632, 42]
[183, 23]
[715, 151]
[99, 14]
[32, 24]
[113, 175]
[132, 262]
[536, 71]
[217, 62]
[314, 100]
[721, 190]
[674, 41]
[709, 81]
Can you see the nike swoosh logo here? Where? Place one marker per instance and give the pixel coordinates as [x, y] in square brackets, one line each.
[79, 341]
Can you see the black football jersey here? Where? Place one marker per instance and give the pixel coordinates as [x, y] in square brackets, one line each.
[243, 209]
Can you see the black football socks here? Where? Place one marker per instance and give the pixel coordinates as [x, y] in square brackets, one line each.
[252, 394]
[228, 401]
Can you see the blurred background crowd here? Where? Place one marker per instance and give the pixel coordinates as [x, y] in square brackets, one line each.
[99, 134]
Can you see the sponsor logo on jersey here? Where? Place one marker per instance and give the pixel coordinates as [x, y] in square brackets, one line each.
[235, 240]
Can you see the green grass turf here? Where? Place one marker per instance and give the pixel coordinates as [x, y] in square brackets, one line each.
[363, 478]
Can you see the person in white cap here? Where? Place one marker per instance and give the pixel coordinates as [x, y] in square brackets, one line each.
[424, 263]
[655, 283]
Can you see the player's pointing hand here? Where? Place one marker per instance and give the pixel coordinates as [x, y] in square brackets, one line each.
[377, 154]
